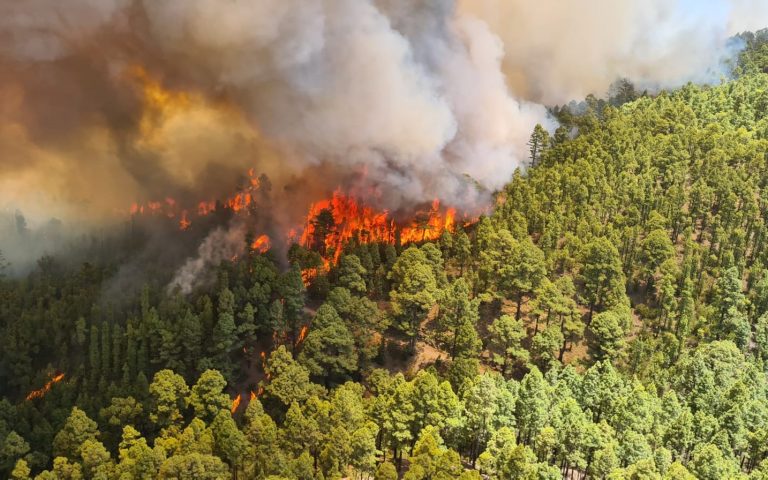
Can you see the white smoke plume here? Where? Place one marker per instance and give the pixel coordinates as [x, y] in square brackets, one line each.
[220, 245]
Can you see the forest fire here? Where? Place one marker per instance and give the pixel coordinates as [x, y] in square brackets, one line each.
[170, 208]
[333, 222]
[329, 225]
[429, 225]
[46, 388]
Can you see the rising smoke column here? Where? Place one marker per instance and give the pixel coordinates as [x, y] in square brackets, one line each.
[346, 84]
[220, 245]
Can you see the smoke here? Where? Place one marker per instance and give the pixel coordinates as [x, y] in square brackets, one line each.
[107, 102]
[408, 94]
[556, 51]
[746, 15]
[221, 244]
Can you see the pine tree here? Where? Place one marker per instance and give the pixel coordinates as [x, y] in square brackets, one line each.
[169, 394]
[77, 429]
[457, 311]
[415, 290]
[506, 335]
[94, 355]
[224, 338]
[537, 144]
[292, 292]
[351, 274]
[602, 275]
[207, 396]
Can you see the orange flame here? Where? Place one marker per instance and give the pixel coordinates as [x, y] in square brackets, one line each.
[332, 223]
[184, 223]
[347, 220]
[302, 335]
[329, 225]
[429, 226]
[46, 388]
[171, 208]
[204, 208]
[308, 275]
[236, 403]
[261, 244]
[252, 396]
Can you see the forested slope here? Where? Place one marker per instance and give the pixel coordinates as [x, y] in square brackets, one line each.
[608, 319]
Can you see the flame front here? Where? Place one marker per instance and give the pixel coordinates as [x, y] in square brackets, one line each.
[333, 222]
[329, 225]
[429, 226]
[46, 388]
[170, 208]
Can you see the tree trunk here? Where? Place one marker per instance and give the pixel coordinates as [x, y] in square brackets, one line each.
[415, 334]
[563, 349]
[506, 362]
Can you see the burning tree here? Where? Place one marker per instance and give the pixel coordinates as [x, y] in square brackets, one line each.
[40, 393]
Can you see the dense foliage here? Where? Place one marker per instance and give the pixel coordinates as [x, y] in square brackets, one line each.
[609, 319]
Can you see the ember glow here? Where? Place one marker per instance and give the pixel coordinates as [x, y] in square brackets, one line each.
[184, 223]
[46, 388]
